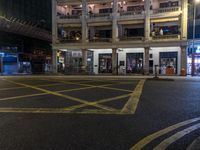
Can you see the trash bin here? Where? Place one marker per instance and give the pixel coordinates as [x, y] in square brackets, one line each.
[183, 72]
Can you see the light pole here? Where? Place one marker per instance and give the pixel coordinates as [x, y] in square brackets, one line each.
[194, 31]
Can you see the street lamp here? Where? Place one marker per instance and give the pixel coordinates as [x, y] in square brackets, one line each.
[194, 31]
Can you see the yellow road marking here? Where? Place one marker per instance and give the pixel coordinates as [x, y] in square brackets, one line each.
[40, 94]
[132, 103]
[64, 96]
[55, 110]
[103, 87]
[164, 144]
[23, 96]
[15, 88]
[142, 143]
[100, 101]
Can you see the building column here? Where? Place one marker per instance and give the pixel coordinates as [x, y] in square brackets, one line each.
[184, 19]
[84, 22]
[54, 61]
[147, 20]
[114, 21]
[114, 62]
[84, 59]
[146, 60]
[54, 22]
[184, 58]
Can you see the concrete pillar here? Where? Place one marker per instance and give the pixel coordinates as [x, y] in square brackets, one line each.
[114, 62]
[84, 57]
[184, 58]
[54, 61]
[84, 22]
[184, 19]
[54, 22]
[146, 60]
[147, 20]
[114, 21]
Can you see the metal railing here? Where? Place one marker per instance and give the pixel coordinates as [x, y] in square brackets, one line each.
[67, 40]
[129, 13]
[165, 10]
[100, 40]
[133, 38]
[166, 37]
[101, 15]
[69, 16]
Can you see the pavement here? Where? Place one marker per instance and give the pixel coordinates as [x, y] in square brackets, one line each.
[99, 112]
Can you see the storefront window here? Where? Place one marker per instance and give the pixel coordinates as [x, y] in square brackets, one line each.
[168, 63]
[105, 63]
[134, 62]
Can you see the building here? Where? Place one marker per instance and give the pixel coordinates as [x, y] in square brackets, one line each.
[119, 36]
[193, 59]
[25, 36]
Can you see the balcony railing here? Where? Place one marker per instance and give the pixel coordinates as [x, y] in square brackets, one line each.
[67, 40]
[165, 10]
[129, 13]
[166, 37]
[133, 38]
[69, 17]
[98, 39]
[101, 15]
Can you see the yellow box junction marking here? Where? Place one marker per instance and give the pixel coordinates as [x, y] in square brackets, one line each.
[83, 84]
[142, 143]
[71, 108]
[64, 96]
[132, 103]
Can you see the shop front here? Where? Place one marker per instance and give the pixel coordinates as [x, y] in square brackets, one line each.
[168, 63]
[105, 63]
[134, 63]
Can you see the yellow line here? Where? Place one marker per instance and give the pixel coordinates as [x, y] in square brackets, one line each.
[40, 94]
[164, 144]
[15, 88]
[56, 110]
[132, 103]
[64, 96]
[142, 143]
[102, 87]
[23, 96]
[100, 101]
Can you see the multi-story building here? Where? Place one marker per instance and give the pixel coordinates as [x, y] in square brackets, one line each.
[120, 36]
[193, 60]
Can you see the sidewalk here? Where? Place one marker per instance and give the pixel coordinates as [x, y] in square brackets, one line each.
[108, 76]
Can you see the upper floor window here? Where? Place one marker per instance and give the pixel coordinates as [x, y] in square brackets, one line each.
[135, 8]
[105, 10]
[169, 4]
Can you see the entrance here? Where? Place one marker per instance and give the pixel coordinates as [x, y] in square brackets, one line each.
[195, 64]
[134, 62]
[168, 63]
[151, 66]
[105, 63]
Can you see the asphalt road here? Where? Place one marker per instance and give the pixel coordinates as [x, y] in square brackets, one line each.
[96, 113]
